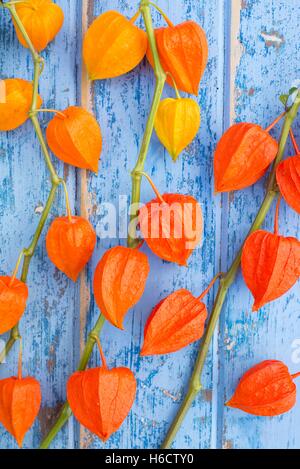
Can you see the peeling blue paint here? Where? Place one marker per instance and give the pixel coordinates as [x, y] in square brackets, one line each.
[51, 324]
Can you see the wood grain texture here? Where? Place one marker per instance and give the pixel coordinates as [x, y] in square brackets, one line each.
[252, 60]
[266, 68]
[49, 325]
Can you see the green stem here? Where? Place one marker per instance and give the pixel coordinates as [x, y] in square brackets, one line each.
[38, 130]
[29, 252]
[14, 336]
[160, 83]
[11, 7]
[225, 283]
[165, 17]
[66, 411]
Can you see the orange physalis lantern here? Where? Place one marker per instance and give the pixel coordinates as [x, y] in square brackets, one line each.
[70, 243]
[171, 225]
[175, 322]
[75, 137]
[243, 155]
[288, 178]
[113, 45]
[266, 390]
[101, 398]
[270, 264]
[13, 297]
[15, 102]
[119, 282]
[42, 20]
[20, 401]
[183, 52]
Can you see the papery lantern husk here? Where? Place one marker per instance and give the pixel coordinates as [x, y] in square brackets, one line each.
[288, 180]
[177, 123]
[183, 52]
[113, 46]
[265, 390]
[15, 103]
[20, 401]
[42, 20]
[13, 297]
[270, 265]
[174, 323]
[242, 156]
[74, 136]
[172, 228]
[70, 244]
[101, 398]
[119, 282]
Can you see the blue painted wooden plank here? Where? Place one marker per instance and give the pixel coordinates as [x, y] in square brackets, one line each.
[51, 325]
[48, 325]
[267, 68]
[122, 105]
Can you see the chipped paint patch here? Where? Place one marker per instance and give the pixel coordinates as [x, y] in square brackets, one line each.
[228, 444]
[273, 39]
[87, 439]
[39, 209]
[171, 396]
[236, 52]
[47, 417]
[207, 395]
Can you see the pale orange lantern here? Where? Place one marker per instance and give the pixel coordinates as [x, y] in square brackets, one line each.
[42, 20]
[113, 46]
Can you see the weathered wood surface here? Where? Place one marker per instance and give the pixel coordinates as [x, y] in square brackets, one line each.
[254, 57]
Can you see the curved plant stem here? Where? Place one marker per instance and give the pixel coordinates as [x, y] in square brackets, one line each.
[69, 212]
[160, 83]
[29, 252]
[66, 411]
[165, 17]
[155, 189]
[207, 290]
[195, 381]
[276, 220]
